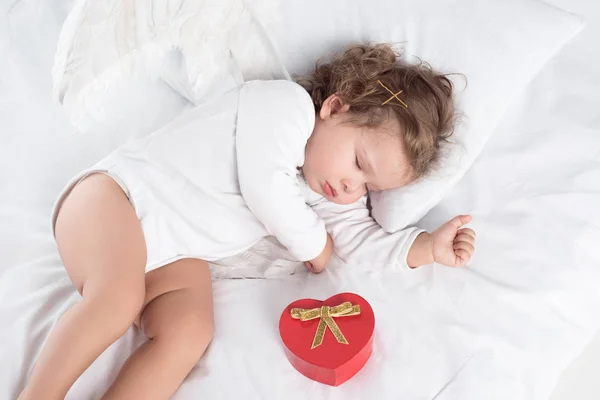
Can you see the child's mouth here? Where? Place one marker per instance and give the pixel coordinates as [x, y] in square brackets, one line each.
[329, 191]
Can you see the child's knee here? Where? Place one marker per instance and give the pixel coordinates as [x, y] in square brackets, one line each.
[197, 335]
[191, 338]
[122, 303]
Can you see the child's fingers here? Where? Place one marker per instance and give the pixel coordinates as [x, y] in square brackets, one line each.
[460, 220]
[467, 231]
[315, 269]
[462, 257]
[463, 237]
[466, 246]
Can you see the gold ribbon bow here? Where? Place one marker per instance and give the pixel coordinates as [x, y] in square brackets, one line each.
[326, 314]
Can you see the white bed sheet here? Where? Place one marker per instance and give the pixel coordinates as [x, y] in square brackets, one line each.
[580, 380]
[504, 328]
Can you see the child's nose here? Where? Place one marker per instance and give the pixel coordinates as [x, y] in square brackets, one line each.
[350, 186]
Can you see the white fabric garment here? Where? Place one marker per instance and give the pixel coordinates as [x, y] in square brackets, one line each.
[268, 163]
[225, 174]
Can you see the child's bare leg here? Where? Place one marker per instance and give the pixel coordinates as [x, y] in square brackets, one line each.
[102, 245]
[178, 321]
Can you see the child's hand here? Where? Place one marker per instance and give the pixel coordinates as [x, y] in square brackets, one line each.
[317, 265]
[451, 245]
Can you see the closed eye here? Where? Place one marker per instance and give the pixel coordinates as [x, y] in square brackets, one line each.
[358, 164]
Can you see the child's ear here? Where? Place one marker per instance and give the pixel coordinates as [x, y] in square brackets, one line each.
[333, 105]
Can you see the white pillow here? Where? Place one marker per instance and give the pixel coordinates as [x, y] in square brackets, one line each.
[498, 45]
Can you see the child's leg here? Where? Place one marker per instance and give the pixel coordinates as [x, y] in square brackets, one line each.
[102, 245]
[178, 320]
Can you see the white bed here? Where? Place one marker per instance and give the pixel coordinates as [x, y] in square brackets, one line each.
[504, 328]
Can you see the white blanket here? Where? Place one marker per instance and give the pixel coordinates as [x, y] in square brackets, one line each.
[503, 328]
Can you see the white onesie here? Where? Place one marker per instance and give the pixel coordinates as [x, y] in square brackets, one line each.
[224, 174]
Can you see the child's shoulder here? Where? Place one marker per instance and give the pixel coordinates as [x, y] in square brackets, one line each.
[278, 93]
[277, 103]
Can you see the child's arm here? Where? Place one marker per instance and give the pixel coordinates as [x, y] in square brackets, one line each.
[318, 264]
[359, 240]
[275, 119]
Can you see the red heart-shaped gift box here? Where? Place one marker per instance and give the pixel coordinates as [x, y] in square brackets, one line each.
[331, 362]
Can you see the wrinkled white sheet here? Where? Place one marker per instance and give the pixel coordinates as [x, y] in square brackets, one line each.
[504, 328]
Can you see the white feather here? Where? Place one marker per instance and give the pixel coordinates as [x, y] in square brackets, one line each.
[106, 43]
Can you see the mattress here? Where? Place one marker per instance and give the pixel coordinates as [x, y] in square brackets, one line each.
[506, 327]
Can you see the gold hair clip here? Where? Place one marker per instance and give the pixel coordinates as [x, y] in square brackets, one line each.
[394, 95]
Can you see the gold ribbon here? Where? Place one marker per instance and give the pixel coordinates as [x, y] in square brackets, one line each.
[326, 314]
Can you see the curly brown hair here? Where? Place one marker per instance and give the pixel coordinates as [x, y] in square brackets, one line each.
[426, 123]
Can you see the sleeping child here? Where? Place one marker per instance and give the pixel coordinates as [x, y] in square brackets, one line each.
[291, 160]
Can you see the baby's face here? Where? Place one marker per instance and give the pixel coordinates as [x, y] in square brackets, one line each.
[344, 161]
